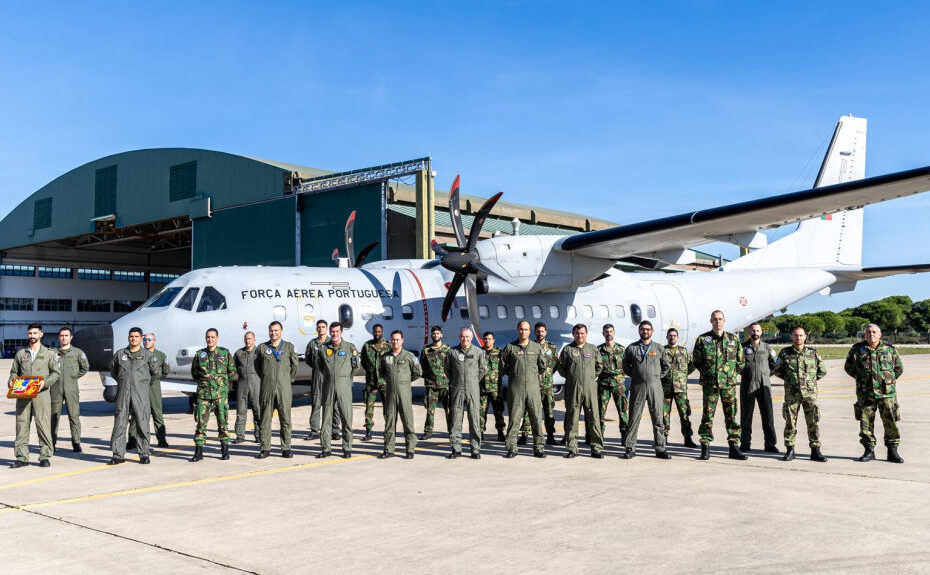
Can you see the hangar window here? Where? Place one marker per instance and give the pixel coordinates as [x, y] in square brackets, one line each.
[537, 311]
[42, 214]
[187, 300]
[125, 305]
[346, 316]
[11, 270]
[619, 311]
[54, 272]
[105, 192]
[387, 312]
[158, 278]
[570, 312]
[502, 312]
[554, 311]
[211, 300]
[124, 276]
[603, 311]
[93, 305]
[92, 274]
[16, 303]
[519, 312]
[163, 298]
[636, 313]
[182, 181]
[50, 304]
[484, 312]
[651, 310]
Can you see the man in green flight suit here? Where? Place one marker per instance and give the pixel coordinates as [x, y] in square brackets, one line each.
[611, 382]
[248, 389]
[800, 367]
[718, 357]
[876, 366]
[316, 383]
[646, 363]
[551, 355]
[399, 368]
[73, 363]
[523, 362]
[492, 392]
[580, 363]
[374, 382]
[133, 368]
[675, 386]
[338, 359]
[433, 362]
[34, 360]
[756, 386]
[466, 366]
[276, 365]
[213, 367]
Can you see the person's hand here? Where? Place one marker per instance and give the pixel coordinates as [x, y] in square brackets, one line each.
[41, 385]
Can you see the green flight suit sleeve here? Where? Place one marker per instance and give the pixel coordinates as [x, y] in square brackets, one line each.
[292, 358]
[598, 364]
[114, 366]
[309, 356]
[628, 360]
[15, 371]
[416, 372]
[54, 370]
[83, 365]
[164, 367]
[562, 364]
[259, 361]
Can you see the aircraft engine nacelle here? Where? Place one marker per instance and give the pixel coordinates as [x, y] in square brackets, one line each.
[528, 264]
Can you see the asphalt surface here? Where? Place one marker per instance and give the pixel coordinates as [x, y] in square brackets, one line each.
[432, 515]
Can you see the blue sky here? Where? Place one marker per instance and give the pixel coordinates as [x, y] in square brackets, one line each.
[622, 111]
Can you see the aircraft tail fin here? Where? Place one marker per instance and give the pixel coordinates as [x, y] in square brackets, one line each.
[833, 241]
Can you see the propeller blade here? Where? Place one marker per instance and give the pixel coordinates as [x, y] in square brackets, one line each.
[455, 212]
[350, 239]
[437, 248]
[450, 295]
[364, 254]
[482, 215]
[471, 300]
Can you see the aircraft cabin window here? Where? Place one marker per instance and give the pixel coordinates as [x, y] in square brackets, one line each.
[187, 300]
[603, 311]
[537, 311]
[484, 312]
[279, 313]
[619, 311]
[554, 311]
[211, 300]
[519, 312]
[463, 312]
[163, 298]
[651, 310]
[570, 312]
[587, 311]
[387, 312]
[636, 314]
[502, 312]
[308, 309]
[346, 316]
[406, 312]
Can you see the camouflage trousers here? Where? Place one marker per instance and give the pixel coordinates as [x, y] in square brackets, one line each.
[727, 399]
[548, 411]
[680, 398]
[494, 399]
[217, 406]
[793, 402]
[432, 397]
[618, 393]
[370, 395]
[890, 413]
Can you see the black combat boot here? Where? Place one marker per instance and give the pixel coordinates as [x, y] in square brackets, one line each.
[663, 455]
[20, 463]
[323, 454]
[238, 440]
[628, 454]
[570, 455]
[144, 460]
[705, 452]
[385, 455]
[500, 436]
[867, 455]
[522, 439]
[426, 435]
[735, 453]
[162, 439]
[287, 454]
[198, 454]
[76, 447]
[789, 453]
[224, 451]
[262, 454]
[817, 456]
[690, 442]
[510, 455]
[893, 454]
[113, 460]
[771, 449]
[550, 438]
[454, 455]
[367, 435]
[539, 454]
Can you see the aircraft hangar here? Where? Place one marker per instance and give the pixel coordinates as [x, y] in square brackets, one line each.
[97, 241]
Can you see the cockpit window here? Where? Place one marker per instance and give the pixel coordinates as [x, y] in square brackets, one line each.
[163, 298]
[187, 300]
[211, 300]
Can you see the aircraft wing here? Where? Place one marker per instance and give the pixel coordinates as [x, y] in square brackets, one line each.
[703, 226]
[880, 272]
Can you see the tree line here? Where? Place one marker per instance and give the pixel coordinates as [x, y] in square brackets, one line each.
[898, 315]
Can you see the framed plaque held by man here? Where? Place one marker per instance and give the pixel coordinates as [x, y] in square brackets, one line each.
[25, 387]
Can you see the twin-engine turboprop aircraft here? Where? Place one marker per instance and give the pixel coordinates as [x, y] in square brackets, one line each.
[560, 280]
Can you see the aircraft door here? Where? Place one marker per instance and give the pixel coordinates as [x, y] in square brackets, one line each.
[673, 311]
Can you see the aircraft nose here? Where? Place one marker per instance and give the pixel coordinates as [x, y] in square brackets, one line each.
[97, 342]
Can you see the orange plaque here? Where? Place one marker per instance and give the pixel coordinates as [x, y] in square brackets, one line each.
[24, 387]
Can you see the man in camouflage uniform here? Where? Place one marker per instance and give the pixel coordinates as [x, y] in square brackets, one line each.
[491, 389]
[675, 386]
[316, 383]
[133, 368]
[73, 364]
[400, 368]
[433, 362]
[276, 364]
[248, 389]
[374, 382]
[800, 367]
[466, 366]
[756, 386]
[34, 360]
[580, 363]
[718, 357]
[338, 359]
[213, 367]
[611, 382]
[523, 362]
[876, 366]
[551, 355]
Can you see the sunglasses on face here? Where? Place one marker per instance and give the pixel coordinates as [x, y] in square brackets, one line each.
[147, 339]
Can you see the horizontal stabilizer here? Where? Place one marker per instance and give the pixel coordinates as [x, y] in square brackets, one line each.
[880, 272]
